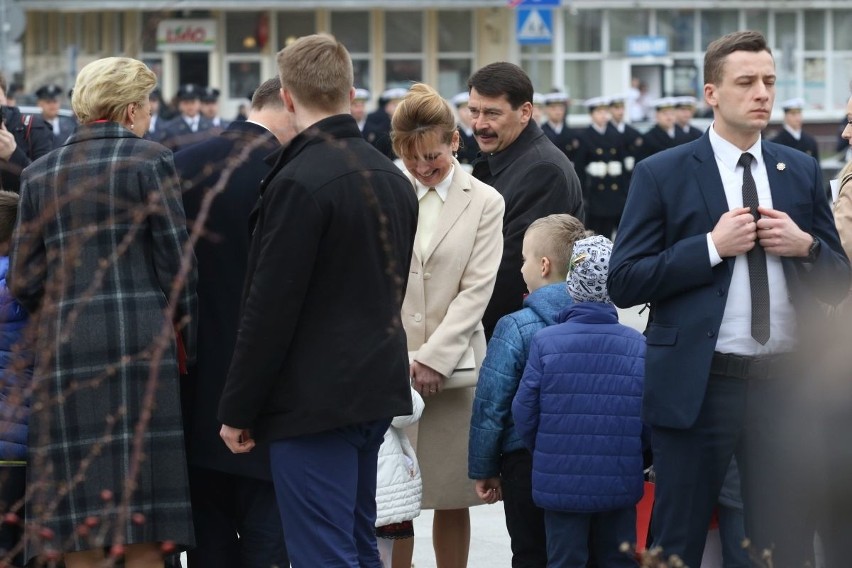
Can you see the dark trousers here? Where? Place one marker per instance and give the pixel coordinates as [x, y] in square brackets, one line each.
[326, 489]
[604, 226]
[13, 483]
[767, 423]
[571, 537]
[237, 524]
[524, 520]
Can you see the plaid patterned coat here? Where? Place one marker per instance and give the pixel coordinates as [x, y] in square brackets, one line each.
[96, 258]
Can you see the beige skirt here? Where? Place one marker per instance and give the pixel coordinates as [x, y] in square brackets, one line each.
[440, 440]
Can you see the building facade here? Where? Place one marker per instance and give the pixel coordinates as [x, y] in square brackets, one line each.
[587, 48]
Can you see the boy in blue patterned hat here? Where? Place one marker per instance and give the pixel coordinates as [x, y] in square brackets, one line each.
[578, 411]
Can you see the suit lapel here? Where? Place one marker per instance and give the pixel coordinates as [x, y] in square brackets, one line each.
[711, 187]
[779, 180]
[457, 201]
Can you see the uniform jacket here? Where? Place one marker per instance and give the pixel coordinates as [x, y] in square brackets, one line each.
[469, 147]
[399, 488]
[33, 138]
[686, 134]
[656, 140]
[660, 257]
[567, 140]
[577, 410]
[456, 275]
[377, 132]
[320, 345]
[66, 127]
[492, 428]
[535, 180]
[15, 375]
[806, 143]
[221, 256]
[177, 134]
[600, 165]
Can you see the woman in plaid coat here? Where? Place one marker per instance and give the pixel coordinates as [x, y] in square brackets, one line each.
[99, 259]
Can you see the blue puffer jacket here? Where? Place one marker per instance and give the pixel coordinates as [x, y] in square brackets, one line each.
[577, 409]
[15, 376]
[492, 430]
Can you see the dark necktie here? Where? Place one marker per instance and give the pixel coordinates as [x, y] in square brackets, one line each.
[758, 279]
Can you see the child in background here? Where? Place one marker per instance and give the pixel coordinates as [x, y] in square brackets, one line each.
[578, 410]
[15, 383]
[399, 488]
[497, 459]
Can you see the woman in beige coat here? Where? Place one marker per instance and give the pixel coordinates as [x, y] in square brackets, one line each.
[843, 205]
[457, 251]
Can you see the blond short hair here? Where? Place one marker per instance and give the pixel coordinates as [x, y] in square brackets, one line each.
[106, 86]
[317, 70]
[555, 236]
[421, 114]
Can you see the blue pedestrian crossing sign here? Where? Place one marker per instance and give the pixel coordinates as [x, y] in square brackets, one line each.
[535, 26]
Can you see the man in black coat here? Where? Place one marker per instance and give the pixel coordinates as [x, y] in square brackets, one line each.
[62, 126]
[468, 149]
[663, 135]
[236, 518]
[555, 127]
[190, 126]
[534, 177]
[23, 138]
[792, 134]
[321, 363]
[377, 127]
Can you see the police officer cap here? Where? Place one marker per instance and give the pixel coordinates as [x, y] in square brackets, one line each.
[556, 98]
[209, 95]
[394, 94]
[362, 95]
[461, 99]
[48, 92]
[684, 102]
[664, 103]
[793, 104]
[596, 102]
[538, 99]
[189, 92]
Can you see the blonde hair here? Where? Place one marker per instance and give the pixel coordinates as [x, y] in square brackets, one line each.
[420, 115]
[317, 70]
[555, 236]
[106, 86]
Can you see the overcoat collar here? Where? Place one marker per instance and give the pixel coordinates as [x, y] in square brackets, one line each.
[501, 160]
[99, 131]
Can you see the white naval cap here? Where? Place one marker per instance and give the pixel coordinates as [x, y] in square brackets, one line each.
[664, 102]
[684, 101]
[362, 95]
[538, 99]
[460, 99]
[793, 104]
[557, 97]
[596, 102]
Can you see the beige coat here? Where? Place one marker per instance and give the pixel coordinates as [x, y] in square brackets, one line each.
[448, 289]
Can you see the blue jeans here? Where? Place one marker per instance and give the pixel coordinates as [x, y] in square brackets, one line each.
[325, 484]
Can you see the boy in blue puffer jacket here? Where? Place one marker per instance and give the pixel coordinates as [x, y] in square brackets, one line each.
[15, 381]
[578, 410]
[497, 459]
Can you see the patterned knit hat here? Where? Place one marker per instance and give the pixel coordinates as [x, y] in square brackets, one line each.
[588, 270]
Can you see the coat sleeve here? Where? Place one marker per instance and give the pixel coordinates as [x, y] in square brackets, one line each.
[492, 405]
[843, 215]
[643, 268]
[451, 338]
[174, 261]
[526, 408]
[28, 261]
[274, 296]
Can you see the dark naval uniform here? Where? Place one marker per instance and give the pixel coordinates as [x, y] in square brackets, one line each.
[688, 133]
[469, 148]
[567, 139]
[631, 143]
[600, 165]
[657, 140]
[806, 143]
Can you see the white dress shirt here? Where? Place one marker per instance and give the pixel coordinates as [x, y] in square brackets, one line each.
[735, 332]
[430, 210]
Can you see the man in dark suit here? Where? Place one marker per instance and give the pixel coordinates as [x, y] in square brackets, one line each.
[48, 100]
[468, 148]
[792, 134]
[663, 135]
[190, 126]
[321, 364]
[732, 242]
[534, 177]
[233, 500]
[684, 111]
[210, 107]
[377, 127]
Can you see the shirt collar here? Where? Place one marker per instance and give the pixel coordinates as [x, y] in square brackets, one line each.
[797, 134]
[729, 154]
[443, 187]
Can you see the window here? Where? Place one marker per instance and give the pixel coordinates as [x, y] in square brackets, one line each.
[455, 51]
[246, 32]
[293, 25]
[679, 27]
[583, 78]
[353, 29]
[815, 32]
[842, 25]
[716, 23]
[583, 31]
[148, 33]
[403, 48]
[624, 23]
[243, 78]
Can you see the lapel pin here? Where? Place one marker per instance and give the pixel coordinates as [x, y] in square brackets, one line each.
[780, 166]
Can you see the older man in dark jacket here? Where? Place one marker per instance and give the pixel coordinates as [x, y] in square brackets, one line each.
[534, 177]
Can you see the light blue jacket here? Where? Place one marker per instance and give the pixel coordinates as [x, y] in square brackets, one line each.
[492, 430]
